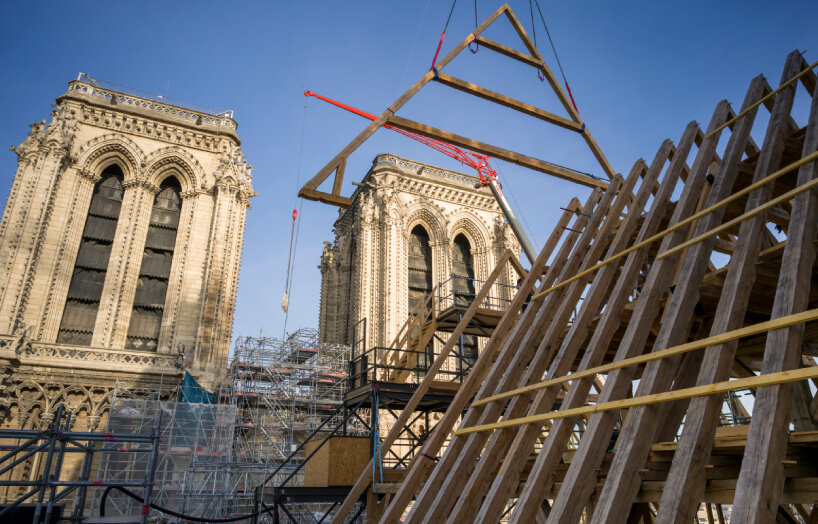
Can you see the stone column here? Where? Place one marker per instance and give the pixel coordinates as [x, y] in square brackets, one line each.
[175, 297]
[62, 247]
[27, 224]
[394, 297]
[236, 244]
[214, 338]
[11, 236]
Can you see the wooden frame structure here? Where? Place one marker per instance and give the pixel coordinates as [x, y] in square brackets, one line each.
[337, 165]
[670, 332]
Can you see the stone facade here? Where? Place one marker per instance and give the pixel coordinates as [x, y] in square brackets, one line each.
[365, 272]
[183, 291]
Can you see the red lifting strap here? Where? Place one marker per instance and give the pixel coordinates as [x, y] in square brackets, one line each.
[439, 44]
[572, 97]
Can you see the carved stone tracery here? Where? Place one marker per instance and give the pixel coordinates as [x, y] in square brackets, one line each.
[364, 271]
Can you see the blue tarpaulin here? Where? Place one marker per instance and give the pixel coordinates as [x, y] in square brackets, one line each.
[192, 392]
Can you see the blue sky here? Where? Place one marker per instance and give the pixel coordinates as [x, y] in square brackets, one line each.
[640, 71]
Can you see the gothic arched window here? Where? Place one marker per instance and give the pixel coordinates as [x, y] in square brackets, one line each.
[154, 273]
[420, 266]
[462, 271]
[85, 289]
[463, 290]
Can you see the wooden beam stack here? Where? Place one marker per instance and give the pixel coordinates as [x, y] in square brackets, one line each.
[639, 261]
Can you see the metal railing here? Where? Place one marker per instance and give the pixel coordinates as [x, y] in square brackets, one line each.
[411, 364]
[54, 443]
[460, 291]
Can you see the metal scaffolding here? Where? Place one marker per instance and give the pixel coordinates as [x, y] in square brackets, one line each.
[55, 494]
[205, 459]
[195, 439]
[282, 390]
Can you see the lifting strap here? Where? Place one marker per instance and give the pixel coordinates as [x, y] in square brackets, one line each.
[443, 35]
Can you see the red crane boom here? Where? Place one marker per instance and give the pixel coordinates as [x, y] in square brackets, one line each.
[478, 162]
[487, 176]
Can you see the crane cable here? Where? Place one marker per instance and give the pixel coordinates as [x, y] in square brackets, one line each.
[554, 49]
[476, 46]
[443, 35]
[540, 74]
[295, 229]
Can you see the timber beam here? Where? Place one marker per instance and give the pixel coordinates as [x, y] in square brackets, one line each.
[497, 152]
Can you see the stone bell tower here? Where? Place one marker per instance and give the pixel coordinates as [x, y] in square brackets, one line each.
[410, 227]
[119, 252]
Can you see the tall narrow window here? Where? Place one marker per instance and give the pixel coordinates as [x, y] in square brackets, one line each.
[149, 301]
[420, 284]
[462, 271]
[420, 267]
[463, 289]
[85, 290]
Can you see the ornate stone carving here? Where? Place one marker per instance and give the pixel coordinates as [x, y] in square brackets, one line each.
[33, 141]
[46, 214]
[56, 352]
[234, 173]
[364, 271]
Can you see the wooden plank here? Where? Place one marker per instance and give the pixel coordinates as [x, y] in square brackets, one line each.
[515, 263]
[505, 482]
[694, 217]
[549, 75]
[497, 98]
[801, 414]
[370, 129]
[327, 198]
[796, 490]
[363, 481]
[729, 225]
[761, 479]
[540, 479]
[533, 355]
[496, 152]
[674, 328]
[502, 347]
[680, 501]
[770, 379]
[762, 327]
[339, 176]
[507, 51]
[566, 102]
[783, 86]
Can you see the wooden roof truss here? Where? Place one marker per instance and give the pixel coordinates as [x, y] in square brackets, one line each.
[534, 59]
[660, 335]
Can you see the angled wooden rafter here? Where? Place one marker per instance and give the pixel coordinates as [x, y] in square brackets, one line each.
[310, 190]
[647, 291]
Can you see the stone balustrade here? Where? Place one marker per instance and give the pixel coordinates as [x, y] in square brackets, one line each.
[225, 119]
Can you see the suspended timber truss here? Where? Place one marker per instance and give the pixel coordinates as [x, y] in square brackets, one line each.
[685, 384]
[532, 58]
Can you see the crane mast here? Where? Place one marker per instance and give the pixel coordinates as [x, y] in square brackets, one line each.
[480, 163]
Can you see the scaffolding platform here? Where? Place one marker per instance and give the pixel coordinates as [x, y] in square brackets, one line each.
[396, 396]
[456, 296]
[482, 324]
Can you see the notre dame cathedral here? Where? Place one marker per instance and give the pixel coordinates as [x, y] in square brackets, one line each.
[119, 249]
